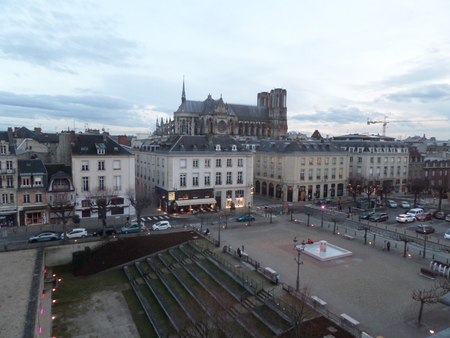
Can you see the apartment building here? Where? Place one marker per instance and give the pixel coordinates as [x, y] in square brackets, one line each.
[197, 172]
[101, 164]
[293, 171]
[378, 159]
[32, 192]
[8, 180]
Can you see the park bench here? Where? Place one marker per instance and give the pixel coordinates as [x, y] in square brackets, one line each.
[349, 237]
[318, 300]
[428, 273]
[349, 319]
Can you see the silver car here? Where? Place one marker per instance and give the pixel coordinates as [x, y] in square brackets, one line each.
[76, 233]
[43, 236]
[405, 205]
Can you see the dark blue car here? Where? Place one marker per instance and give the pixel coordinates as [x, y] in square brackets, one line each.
[245, 218]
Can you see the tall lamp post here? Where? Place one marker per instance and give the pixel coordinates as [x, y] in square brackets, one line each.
[425, 246]
[219, 232]
[299, 251]
[322, 207]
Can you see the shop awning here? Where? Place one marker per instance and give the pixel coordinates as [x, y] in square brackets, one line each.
[196, 201]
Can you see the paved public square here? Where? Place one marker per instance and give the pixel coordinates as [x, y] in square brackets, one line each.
[372, 286]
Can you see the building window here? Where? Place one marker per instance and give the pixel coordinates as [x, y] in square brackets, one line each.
[371, 160]
[272, 159]
[218, 162]
[385, 170]
[359, 159]
[302, 174]
[117, 183]
[240, 162]
[207, 163]
[101, 165]
[25, 181]
[4, 198]
[229, 162]
[229, 178]
[38, 181]
[240, 177]
[378, 159]
[265, 159]
[326, 160]
[101, 182]
[318, 174]
[302, 161]
[163, 162]
[195, 179]
[3, 149]
[9, 182]
[279, 173]
[38, 197]
[271, 172]
[11, 198]
[259, 158]
[319, 161]
[351, 159]
[218, 178]
[310, 161]
[85, 184]
[9, 165]
[207, 178]
[194, 163]
[84, 165]
[182, 180]
[182, 163]
[341, 160]
[116, 165]
[258, 170]
[334, 160]
[325, 174]
[310, 174]
[341, 173]
[26, 198]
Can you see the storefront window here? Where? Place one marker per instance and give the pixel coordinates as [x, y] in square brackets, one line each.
[34, 218]
[229, 201]
[239, 202]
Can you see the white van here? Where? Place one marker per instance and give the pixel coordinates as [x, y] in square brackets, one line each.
[414, 212]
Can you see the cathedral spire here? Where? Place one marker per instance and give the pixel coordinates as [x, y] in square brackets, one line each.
[183, 94]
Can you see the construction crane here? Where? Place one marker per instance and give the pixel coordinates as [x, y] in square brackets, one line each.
[386, 122]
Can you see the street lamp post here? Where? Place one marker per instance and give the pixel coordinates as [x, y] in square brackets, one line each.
[323, 207]
[425, 246]
[299, 251]
[219, 232]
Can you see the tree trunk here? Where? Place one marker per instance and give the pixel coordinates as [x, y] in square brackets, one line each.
[419, 320]
[404, 249]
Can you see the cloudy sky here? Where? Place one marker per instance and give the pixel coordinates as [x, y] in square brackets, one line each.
[119, 65]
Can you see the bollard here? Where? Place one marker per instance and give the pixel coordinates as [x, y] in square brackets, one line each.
[433, 256]
[407, 248]
[396, 245]
[355, 233]
[395, 229]
[420, 252]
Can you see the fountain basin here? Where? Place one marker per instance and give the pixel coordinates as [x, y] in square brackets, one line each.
[332, 252]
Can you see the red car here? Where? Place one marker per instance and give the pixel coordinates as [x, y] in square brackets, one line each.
[426, 216]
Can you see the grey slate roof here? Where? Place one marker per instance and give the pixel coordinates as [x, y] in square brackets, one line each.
[4, 137]
[243, 112]
[87, 144]
[200, 144]
[58, 171]
[31, 167]
[24, 132]
[296, 147]
[366, 145]
[361, 137]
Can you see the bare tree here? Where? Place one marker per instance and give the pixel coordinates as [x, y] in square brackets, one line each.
[335, 219]
[101, 201]
[139, 200]
[406, 240]
[309, 213]
[416, 187]
[354, 187]
[441, 187]
[366, 228]
[429, 297]
[63, 211]
[388, 187]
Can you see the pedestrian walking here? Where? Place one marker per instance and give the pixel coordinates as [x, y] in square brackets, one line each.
[384, 246]
[388, 246]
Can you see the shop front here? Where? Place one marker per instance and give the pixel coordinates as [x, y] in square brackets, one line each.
[33, 217]
[8, 217]
[189, 201]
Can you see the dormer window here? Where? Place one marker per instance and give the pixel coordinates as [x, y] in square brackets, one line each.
[233, 147]
[218, 147]
[2, 149]
[100, 148]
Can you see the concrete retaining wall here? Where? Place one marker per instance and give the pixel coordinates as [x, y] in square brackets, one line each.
[62, 254]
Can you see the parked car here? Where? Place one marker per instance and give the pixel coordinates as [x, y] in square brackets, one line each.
[447, 234]
[132, 227]
[75, 233]
[440, 215]
[162, 225]
[325, 201]
[379, 217]
[366, 214]
[391, 204]
[424, 229]
[405, 218]
[245, 218]
[415, 212]
[447, 218]
[110, 230]
[426, 216]
[43, 236]
[405, 205]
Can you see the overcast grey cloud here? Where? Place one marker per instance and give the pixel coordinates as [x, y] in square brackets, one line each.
[120, 65]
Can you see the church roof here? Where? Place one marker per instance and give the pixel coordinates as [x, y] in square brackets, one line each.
[208, 107]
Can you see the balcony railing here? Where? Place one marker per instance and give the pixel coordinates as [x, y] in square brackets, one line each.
[7, 171]
[229, 181]
[240, 181]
